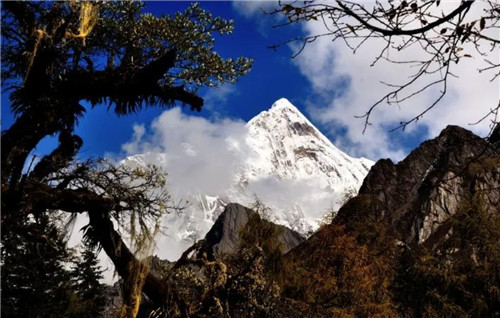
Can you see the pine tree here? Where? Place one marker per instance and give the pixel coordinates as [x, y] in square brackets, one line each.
[35, 282]
[90, 293]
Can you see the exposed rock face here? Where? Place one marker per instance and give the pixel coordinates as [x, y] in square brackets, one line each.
[210, 274]
[420, 237]
[224, 237]
[417, 195]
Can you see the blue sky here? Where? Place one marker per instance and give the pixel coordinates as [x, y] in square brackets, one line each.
[326, 82]
[273, 76]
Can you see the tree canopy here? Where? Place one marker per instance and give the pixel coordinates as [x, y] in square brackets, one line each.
[56, 55]
[36, 281]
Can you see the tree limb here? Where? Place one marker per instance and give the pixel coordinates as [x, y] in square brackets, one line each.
[389, 32]
[43, 197]
[22, 14]
[60, 157]
[124, 260]
[128, 91]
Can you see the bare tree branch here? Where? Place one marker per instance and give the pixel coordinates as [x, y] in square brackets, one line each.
[440, 37]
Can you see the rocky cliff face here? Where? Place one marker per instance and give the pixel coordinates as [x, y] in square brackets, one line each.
[422, 238]
[417, 195]
[224, 237]
[222, 275]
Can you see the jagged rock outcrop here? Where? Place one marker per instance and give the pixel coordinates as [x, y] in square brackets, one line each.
[224, 275]
[224, 237]
[422, 236]
[417, 195]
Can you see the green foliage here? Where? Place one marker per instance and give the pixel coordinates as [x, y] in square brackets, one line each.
[140, 191]
[90, 293]
[190, 33]
[35, 282]
[36, 279]
[122, 34]
[52, 54]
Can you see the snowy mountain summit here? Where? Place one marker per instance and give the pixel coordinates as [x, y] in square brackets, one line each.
[284, 162]
[288, 146]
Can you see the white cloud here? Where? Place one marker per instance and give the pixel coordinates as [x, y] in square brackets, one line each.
[250, 8]
[330, 66]
[206, 157]
[132, 147]
[257, 12]
[199, 155]
[203, 155]
[216, 97]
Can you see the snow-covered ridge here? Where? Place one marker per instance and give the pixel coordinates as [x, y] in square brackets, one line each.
[288, 146]
[284, 161]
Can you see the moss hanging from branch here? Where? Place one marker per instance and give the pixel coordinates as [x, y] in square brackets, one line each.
[89, 14]
[39, 34]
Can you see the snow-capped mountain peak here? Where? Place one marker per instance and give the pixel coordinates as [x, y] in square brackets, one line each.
[288, 146]
[283, 160]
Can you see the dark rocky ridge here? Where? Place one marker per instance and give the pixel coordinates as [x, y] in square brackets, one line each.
[416, 195]
[393, 251]
[207, 274]
[224, 237]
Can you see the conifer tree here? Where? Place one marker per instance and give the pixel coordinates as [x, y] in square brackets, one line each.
[35, 281]
[90, 292]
